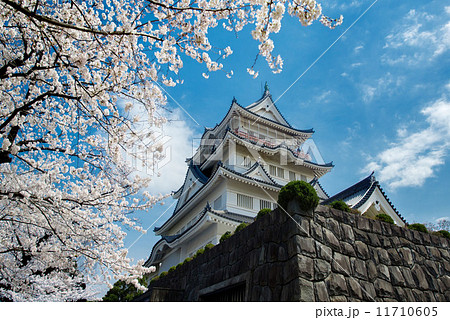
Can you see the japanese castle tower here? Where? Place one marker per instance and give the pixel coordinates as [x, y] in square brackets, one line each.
[238, 169]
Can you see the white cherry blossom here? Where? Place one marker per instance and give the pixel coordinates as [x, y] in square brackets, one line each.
[66, 68]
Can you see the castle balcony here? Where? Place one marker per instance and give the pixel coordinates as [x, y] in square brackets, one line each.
[263, 142]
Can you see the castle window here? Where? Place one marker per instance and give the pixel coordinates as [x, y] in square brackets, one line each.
[247, 162]
[303, 177]
[244, 201]
[291, 176]
[218, 203]
[263, 204]
[280, 172]
[272, 170]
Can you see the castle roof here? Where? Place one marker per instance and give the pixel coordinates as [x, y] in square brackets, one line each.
[207, 215]
[220, 171]
[358, 194]
[279, 122]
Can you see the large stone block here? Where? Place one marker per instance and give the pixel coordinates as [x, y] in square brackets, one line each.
[307, 246]
[368, 291]
[301, 245]
[419, 278]
[445, 254]
[301, 226]
[375, 226]
[383, 272]
[362, 251]
[354, 288]
[372, 272]
[363, 223]
[336, 214]
[394, 257]
[331, 240]
[316, 231]
[324, 252]
[298, 290]
[305, 267]
[360, 235]
[383, 256]
[347, 233]
[349, 219]
[434, 252]
[341, 264]
[386, 229]
[334, 227]
[384, 289]
[373, 240]
[359, 268]
[347, 249]
[406, 255]
[322, 269]
[396, 276]
[298, 266]
[432, 268]
[321, 292]
[336, 284]
[407, 275]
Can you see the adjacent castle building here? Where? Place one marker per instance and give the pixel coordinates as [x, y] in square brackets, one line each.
[238, 169]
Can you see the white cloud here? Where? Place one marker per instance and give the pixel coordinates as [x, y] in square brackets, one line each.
[415, 156]
[358, 48]
[424, 36]
[324, 97]
[175, 140]
[179, 147]
[368, 93]
[386, 85]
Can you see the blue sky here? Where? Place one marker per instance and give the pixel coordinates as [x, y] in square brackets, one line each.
[378, 99]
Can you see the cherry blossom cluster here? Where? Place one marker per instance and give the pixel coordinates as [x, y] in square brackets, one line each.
[72, 74]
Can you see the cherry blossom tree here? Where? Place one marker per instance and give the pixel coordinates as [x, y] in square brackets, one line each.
[74, 74]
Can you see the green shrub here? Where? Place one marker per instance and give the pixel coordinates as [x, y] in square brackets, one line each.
[443, 233]
[263, 212]
[163, 274]
[418, 227]
[225, 236]
[154, 279]
[340, 205]
[384, 217]
[240, 227]
[199, 252]
[187, 260]
[173, 268]
[208, 246]
[355, 211]
[300, 190]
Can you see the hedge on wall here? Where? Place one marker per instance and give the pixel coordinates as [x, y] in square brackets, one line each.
[300, 190]
[340, 205]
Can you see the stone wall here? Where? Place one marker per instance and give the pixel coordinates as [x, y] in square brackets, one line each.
[328, 255]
